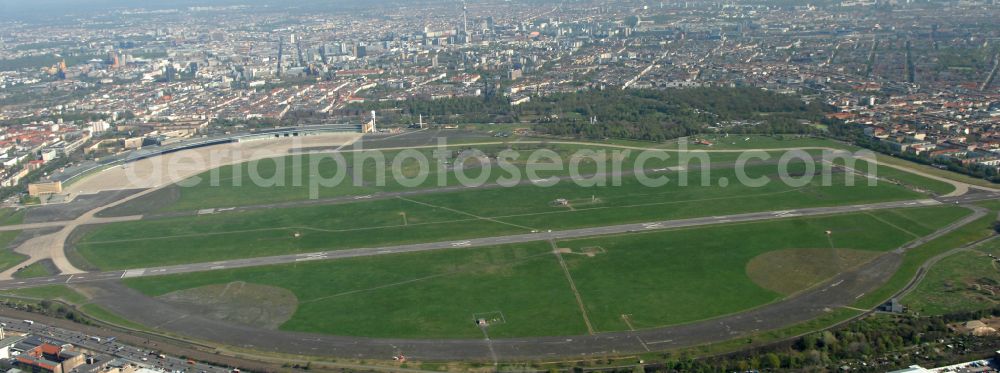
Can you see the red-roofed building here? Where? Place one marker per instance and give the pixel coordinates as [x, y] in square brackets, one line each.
[49, 358]
[359, 72]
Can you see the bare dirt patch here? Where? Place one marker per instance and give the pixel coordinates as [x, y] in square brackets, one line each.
[589, 251]
[793, 270]
[238, 302]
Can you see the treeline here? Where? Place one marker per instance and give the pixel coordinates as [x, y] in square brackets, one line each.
[47, 308]
[873, 344]
[652, 115]
[641, 115]
[660, 115]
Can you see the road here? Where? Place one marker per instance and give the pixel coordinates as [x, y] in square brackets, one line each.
[143, 356]
[76, 278]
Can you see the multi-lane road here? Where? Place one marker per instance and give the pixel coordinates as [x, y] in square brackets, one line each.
[99, 344]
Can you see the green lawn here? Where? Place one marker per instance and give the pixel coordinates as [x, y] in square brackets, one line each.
[693, 263]
[916, 257]
[965, 281]
[10, 216]
[36, 269]
[741, 142]
[97, 312]
[634, 202]
[415, 295]
[455, 215]
[68, 295]
[8, 258]
[235, 185]
[905, 178]
[656, 278]
[920, 222]
[60, 292]
[936, 171]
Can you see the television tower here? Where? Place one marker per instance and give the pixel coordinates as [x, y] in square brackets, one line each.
[465, 23]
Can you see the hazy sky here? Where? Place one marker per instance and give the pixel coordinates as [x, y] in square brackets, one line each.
[47, 9]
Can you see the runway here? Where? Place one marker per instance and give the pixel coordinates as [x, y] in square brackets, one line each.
[460, 244]
[838, 292]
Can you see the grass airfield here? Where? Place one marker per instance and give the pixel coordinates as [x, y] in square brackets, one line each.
[456, 215]
[629, 281]
[571, 287]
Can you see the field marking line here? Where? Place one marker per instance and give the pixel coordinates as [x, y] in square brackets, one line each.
[886, 222]
[643, 343]
[833, 252]
[628, 322]
[489, 344]
[659, 342]
[572, 286]
[916, 223]
[463, 213]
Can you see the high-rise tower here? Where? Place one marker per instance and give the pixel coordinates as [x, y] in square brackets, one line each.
[465, 23]
[281, 46]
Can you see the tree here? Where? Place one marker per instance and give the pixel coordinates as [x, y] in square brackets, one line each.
[772, 361]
